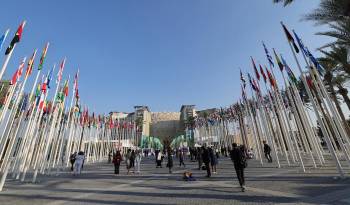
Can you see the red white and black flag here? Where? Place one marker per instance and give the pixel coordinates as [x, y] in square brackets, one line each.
[16, 38]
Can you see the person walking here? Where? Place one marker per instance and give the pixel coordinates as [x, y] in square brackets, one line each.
[199, 157]
[267, 152]
[138, 158]
[181, 158]
[132, 160]
[159, 158]
[239, 161]
[117, 159]
[72, 160]
[127, 159]
[170, 163]
[79, 160]
[213, 160]
[206, 160]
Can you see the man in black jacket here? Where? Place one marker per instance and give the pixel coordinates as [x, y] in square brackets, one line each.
[267, 151]
[239, 162]
[206, 159]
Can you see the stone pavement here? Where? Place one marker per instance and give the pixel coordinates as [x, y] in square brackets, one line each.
[265, 185]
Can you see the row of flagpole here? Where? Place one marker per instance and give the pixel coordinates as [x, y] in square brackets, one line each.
[39, 134]
[280, 116]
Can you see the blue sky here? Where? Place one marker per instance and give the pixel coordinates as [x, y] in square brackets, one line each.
[160, 53]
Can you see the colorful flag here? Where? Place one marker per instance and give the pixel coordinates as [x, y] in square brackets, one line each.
[3, 38]
[242, 79]
[60, 71]
[16, 38]
[262, 73]
[43, 56]
[65, 88]
[279, 63]
[289, 71]
[18, 72]
[30, 64]
[290, 38]
[269, 58]
[308, 54]
[271, 79]
[75, 84]
[255, 69]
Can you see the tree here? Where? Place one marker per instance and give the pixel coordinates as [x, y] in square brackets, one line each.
[339, 55]
[285, 2]
[330, 11]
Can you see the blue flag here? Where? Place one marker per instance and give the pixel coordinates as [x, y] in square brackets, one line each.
[309, 55]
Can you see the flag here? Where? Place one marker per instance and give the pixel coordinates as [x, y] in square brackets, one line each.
[43, 55]
[262, 73]
[255, 88]
[269, 58]
[242, 79]
[30, 64]
[75, 84]
[271, 79]
[255, 69]
[18, 72]
[290, 38]
[3, 37]
[49, 77]
[24, 103]
[289, 71]
[16, 38]
[60, 71]
[308, 54]
[65, 88]
[279, 63]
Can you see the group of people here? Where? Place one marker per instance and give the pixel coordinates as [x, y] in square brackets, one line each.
[132, 159]
[77, 162]
[207, 157]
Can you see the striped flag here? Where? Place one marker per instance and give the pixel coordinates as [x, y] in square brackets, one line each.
[279, 63]
[255, 69]
[18, 72]
[262, 73]
[60, 71]
[30, 64]
[16, 38]
[269, 58]
[43, 56]
[290, 38]
[289, 71]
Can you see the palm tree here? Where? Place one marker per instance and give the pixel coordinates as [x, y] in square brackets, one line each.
[286, 2]
[339, 54]
[339, 81]
[329, 80]
[340, 31]
[330, 11]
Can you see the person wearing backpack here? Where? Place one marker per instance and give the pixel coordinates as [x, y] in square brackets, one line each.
[117, 158]
[267, 152]
[239, 161]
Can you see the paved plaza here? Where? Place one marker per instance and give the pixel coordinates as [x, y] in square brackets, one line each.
[265, 185]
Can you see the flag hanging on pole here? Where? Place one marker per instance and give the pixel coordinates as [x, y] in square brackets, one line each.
[289, 71]
[262, 73]
[290, 37]
[18, 72]
[16, 38]
[60, 71]
[43, 55]
[271, 79]
[255, 69]
[3, 38]
[242, 79]
[279, 63]
[268, 56]
[307, 53]
[75, 84]
[30, 64]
